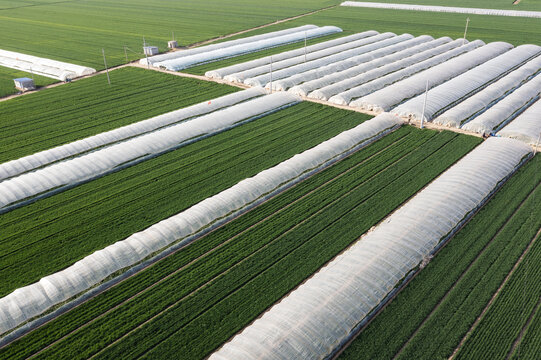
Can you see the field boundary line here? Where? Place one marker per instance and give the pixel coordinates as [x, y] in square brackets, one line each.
[498, 291]
[464, 273]
[518, 340]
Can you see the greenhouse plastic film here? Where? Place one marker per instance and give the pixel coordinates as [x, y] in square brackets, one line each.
[30, 162]
[390, 96]
[324, 88]
[468, 108]
[102, 160]
[526, 127]
[221, 45]
[32, 300]
[42, 66]
[231, 51]
[360, 39]
[505, 109]
[370, 44]
[345, 97]
[319, 315]
[339, 66]
[445, 9]
[441, 97]
[265, 61]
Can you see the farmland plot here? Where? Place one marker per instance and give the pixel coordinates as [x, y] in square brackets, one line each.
[242, 268]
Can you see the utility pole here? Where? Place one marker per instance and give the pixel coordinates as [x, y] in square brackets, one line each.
[465, 31]
[126, 54]
[106, 69]
[424, 105]
[31, 72]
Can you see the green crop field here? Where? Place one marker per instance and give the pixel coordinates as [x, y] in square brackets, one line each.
[94, 215]
[430, 317]
[76, 31]
[87, 107]
[242, 268]
[524, 5]
[6, 81]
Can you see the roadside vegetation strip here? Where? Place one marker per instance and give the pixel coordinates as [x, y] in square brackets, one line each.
[467, 257]
[514, 306]
[111, 208]
[312, 219]
[160, 271]
[87, 107]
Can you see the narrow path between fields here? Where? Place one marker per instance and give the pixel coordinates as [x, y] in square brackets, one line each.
[463, 275]
[498, 291]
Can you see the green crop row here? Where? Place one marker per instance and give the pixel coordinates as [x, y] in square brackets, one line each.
[494, 336]
[301, 237]
[87, 107]
[528, 347]
[434, 312]
[93, 215]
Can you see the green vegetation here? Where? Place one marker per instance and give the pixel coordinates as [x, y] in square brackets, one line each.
[487, 4]
[191, 302]
[91, 216]
[76, 31]
[6, 80]
[87, 107]
[428, 319]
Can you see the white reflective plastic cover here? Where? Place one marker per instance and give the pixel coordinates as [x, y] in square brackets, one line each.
[326, 87]
[345, 97]
[348, 63]
[468, 108]
[231, 51]
[27, 302]
[357, 40]
[441, 97]
[361, 47]
[104, 159]
[446, 9]
[30, 162]
[221, 45]
[390, 96]
[526, 127]
[42, 66]
[265, 61]
[315, 318]
[505, 109]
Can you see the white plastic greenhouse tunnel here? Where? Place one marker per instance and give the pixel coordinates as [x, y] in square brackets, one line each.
[87, 166]
[41, 66]
[526, 127]
[32, 300]
[505, 110]
[358, 91]
[39, 159]
[443, 96]
[316, 318]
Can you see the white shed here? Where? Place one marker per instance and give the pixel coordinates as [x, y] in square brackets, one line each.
[24, 84]
[150, 50]
[172, 44]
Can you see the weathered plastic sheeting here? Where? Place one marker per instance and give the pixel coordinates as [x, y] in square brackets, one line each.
[441, 97]
[42, 66]
[265, 61]
[231, 51]
[446, 9]
[359, 39]
[345, 97]
[465, 110]
[505, 109]
[392, 95]
[340, 66]
[526, 127]
[221, 45]
[313, 320]
[32, 300]
[324, 88]
[102, 160]
[39, 159]
[372, 43]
